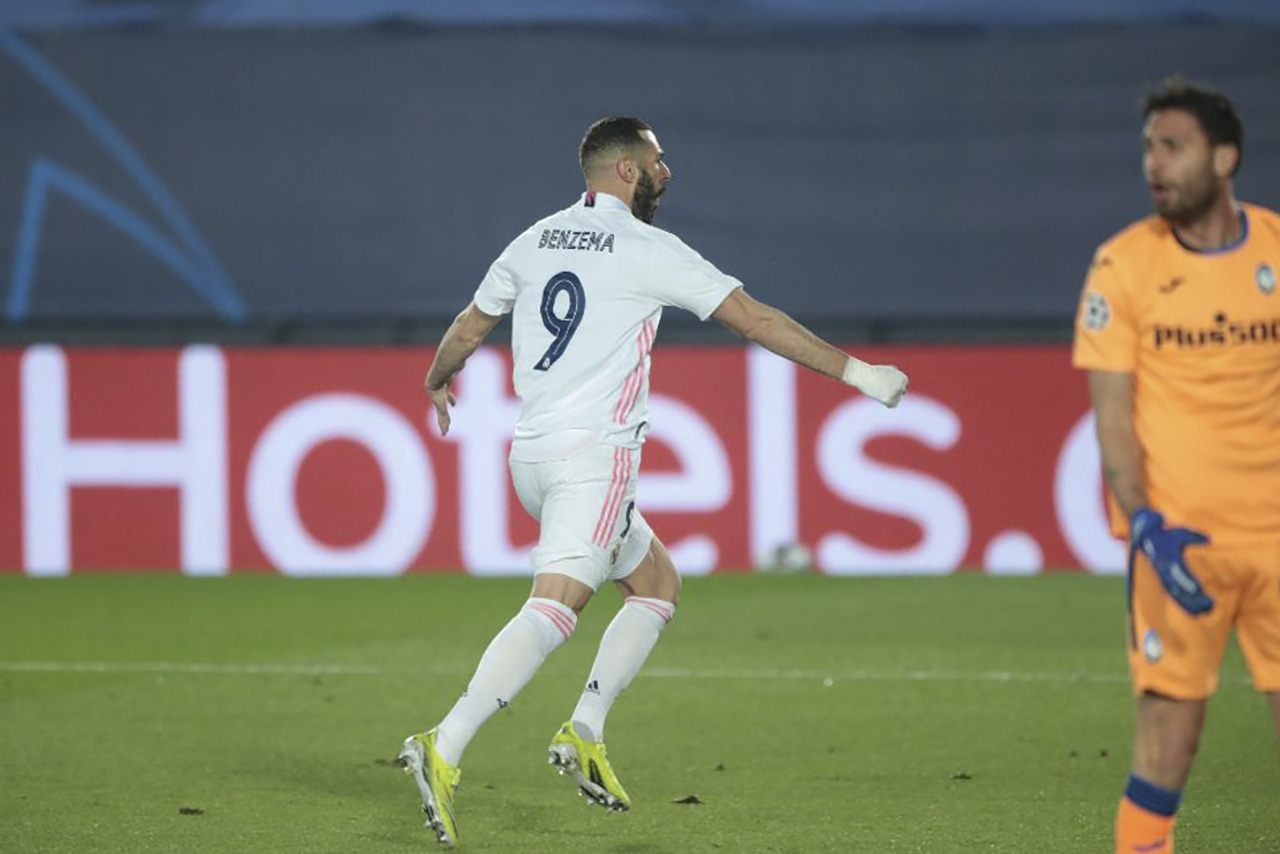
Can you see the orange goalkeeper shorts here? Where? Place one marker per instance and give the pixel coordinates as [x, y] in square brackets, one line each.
[1178, 655]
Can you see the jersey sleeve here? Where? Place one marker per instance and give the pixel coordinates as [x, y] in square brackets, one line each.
[1106, 336]
[681, 277]
[496, 295]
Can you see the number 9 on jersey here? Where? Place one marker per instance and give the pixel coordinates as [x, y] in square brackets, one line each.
[562, 327]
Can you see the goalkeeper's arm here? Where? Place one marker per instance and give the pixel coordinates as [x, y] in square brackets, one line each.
[772, 329]
[1122, 459]
[1112, 395]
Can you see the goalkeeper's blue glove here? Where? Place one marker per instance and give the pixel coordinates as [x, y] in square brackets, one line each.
[1164, 547]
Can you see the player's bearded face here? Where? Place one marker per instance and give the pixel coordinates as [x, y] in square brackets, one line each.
[1188, 197]
[645, 202]
[1178, 165]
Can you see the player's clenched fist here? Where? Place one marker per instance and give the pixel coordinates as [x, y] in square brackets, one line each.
[884, 383]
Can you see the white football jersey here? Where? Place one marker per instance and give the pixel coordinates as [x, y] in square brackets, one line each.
[585, 289]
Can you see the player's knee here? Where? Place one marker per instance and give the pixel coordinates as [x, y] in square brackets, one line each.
[559, 583]
[655, 578]
[671, 587]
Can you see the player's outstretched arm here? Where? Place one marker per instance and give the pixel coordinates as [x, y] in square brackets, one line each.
[464, 337]
[772, 329]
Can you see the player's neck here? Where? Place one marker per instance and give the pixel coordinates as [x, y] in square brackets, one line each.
[617, 189]
[1219, 227]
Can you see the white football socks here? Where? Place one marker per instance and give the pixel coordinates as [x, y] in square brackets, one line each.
[623, 650]
[510, 661]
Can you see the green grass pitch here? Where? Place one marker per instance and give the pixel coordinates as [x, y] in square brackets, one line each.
[807, 714]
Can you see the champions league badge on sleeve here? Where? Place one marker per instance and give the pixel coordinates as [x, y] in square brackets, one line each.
[1266, 278]
[1097, 313]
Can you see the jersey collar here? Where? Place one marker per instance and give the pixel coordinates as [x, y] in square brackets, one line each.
[1230, 247]
[602, 202]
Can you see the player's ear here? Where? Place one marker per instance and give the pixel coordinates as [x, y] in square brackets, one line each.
[1225, 158]
[626, 169]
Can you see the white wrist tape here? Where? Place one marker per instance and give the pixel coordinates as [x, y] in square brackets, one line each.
[856, 372]
[884, 383]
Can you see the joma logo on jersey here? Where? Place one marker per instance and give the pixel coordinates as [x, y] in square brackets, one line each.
[563, 238]
[1224, 333]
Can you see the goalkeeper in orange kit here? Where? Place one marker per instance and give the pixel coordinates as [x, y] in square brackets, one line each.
[1179, 329]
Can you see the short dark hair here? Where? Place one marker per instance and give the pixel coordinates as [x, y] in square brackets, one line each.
[1218, 117]
[610, 132]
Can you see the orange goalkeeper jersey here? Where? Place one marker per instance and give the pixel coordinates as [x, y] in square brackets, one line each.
[1200, 331]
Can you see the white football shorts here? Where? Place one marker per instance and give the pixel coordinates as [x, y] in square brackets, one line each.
[591, 530]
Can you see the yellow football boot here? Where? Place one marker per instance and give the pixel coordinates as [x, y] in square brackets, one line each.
[589, 764]
[437, 781]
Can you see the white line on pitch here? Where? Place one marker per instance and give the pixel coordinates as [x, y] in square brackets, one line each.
[188, 667]
[885, 675]
[763, 674]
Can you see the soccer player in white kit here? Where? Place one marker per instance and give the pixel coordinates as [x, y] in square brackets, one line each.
[585, 289]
